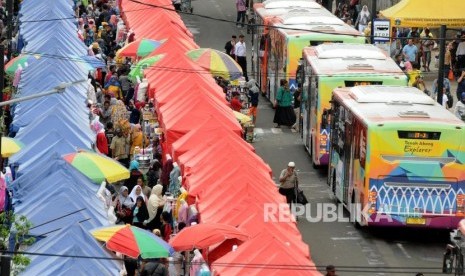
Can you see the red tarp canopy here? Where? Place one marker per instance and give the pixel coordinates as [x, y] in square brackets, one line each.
[186, 91]
[212, 129]
[176, 46]
[264, 255]
[202, 189]
[248, 214]
[174, 108]
[170, 69]
[220, 150]
[177, 125]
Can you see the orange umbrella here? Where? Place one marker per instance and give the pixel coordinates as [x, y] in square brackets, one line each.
[205, 235]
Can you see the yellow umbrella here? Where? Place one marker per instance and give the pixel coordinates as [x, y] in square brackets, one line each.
[97, 167]
[242, 118]
[10, 146]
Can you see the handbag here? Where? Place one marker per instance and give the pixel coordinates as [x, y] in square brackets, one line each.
[301, 198]
[451, 75]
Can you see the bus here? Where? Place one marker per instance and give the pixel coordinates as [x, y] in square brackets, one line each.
[263, 13]
[328, 66]
[396, 158]
[289, 34]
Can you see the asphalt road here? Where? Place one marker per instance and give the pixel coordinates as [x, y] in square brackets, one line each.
[352, 251]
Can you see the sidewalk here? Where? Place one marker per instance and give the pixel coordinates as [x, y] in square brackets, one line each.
[429, 77]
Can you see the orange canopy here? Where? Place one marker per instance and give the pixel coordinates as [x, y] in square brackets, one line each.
[183, 90]
[248, 214]
[177, 125]
[264, 255]
[219, 150]
[176, 46]
[202, 185]
[174, 109]
[213, 129]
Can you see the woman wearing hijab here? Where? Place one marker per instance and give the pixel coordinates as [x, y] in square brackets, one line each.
[284, 114]
[101, 139]
[139, 212]
[124, 206]
[363, 19]
[138, 139]
[119, 112]
[137, 192]
[155, 208]
[113, 22]
[134, 174]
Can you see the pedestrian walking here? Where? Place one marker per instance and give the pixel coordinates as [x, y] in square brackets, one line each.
[288, 179]
[363, 18]
[240, 50]
[241, 7]
[427, 47]
[229, 47]
[297, 101]
[254, 92]
[284, 114]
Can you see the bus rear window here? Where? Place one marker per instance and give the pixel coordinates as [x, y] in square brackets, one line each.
[359, 83]
[422, 135]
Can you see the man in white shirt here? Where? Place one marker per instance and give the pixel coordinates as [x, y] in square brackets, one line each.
[240, 51]
[461, 54]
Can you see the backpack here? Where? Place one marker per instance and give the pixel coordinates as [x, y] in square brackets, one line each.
[450, 100]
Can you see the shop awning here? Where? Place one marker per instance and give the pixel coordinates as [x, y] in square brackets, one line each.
[426, 13]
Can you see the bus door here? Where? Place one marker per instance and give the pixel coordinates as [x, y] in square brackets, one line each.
[348, 155]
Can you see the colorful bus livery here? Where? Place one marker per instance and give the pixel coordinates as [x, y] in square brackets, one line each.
[329, 66]
[289, 35]
[399, 155]
[266, 11]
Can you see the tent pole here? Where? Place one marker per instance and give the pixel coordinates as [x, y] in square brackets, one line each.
[442, 53]
[2, 84]
[373, 17]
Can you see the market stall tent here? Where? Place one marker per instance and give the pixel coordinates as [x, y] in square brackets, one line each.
[58, 178]
[220, 150]
[176, 124]
[71, 240]
[184, 89]
[264, 250]
[235, 177]
[81, 138]
[426, 13]
[211, 129]
[33, 149]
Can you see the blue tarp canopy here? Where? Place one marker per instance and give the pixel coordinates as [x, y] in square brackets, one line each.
[69, 179]
[26, 118]
[73, 240]
[73, 132]
[58, 41]
[52, 144]
[33, 149]
[35, 173]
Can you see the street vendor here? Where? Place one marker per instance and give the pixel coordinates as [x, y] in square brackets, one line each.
[236, 103]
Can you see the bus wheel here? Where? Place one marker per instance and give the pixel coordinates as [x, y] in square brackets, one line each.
[354, 215]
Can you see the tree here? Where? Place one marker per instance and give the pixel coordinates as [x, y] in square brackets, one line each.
[21, 226]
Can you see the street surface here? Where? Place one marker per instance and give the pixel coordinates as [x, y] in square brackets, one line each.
[352, 251]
